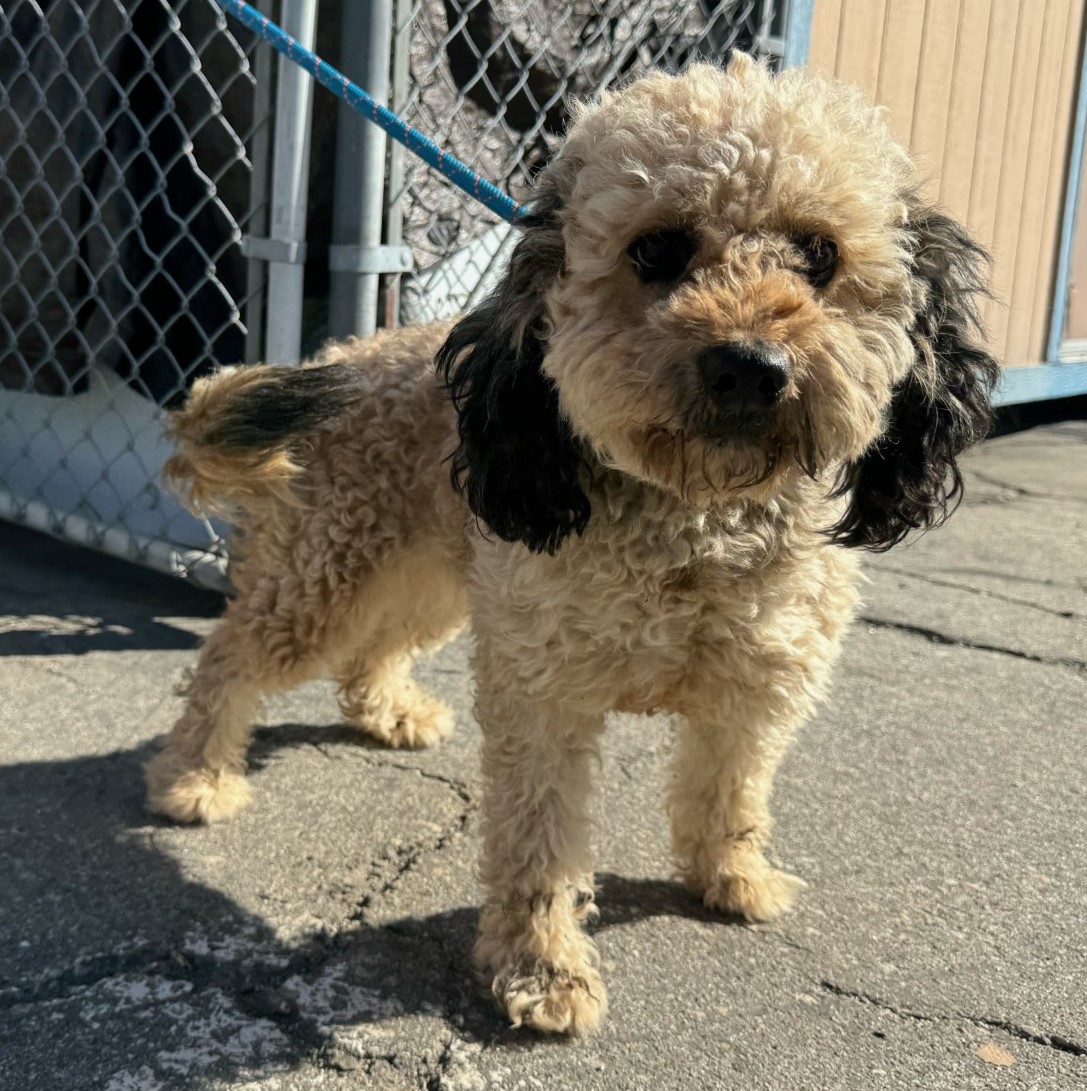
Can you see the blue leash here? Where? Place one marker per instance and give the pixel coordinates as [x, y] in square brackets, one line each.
[457, 172]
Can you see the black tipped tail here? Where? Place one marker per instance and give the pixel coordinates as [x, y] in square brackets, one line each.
[238, 434]
[276, 404]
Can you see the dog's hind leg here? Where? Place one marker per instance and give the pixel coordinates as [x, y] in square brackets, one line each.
[382, 699]
[199, 773]
[259, 648]
[416, 606]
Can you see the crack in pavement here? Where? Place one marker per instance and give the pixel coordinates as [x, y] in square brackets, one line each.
[253, 986]
[783, 940]
[996, 483]
[1052, 1041]
[981, 591]
[401, 860]
[454, 1056]
[457, 786]
[405, 858]
[936, 637]
[83, 974]
[26, 663]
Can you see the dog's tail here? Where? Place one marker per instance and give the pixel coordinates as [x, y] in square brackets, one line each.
[242, 434]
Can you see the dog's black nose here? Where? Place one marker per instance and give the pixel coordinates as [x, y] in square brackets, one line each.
[744, 378]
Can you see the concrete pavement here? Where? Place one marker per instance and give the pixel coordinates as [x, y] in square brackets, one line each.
[937, 809]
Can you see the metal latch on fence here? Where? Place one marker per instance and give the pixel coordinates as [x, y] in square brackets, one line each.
[370, 259]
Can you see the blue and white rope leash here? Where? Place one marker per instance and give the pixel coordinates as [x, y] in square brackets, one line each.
[457, 172]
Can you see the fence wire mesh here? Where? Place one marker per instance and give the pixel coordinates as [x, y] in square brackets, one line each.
[134, 139]
[125, 188]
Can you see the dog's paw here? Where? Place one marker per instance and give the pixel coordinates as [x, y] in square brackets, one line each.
[754, 890]
[185, 794]
[550, 999]
[410, 719]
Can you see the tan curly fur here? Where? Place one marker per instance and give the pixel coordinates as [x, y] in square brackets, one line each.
[703, 583]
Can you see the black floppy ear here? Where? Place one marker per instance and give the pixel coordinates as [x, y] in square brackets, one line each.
[518, 461]
[909, 478]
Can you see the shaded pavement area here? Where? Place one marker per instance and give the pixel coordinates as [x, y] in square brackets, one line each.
[937, 808]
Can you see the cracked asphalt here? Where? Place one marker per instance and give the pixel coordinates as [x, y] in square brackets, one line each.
[937, 809]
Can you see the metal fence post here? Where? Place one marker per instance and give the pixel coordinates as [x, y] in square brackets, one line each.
[286, 247]
[356, 257]
[260, 147]
[403, 12]
[798, 19]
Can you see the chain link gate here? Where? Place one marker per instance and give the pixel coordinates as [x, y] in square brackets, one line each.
[134, 165]
[126, 186]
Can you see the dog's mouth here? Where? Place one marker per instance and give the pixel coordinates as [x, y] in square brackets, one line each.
[704, 451]
[775, 437]
[708, 460]
[725, 429]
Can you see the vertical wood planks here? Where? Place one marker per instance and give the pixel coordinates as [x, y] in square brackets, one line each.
[900, 60]
[964, 108]
[860, 38]
[823, 50]
[932, 89]
[1032, 202]
[996, 85]
[984, 92]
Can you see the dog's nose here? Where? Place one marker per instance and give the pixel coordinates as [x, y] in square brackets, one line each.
[744, 378]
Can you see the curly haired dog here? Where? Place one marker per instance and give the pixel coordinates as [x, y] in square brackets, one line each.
[732, 342]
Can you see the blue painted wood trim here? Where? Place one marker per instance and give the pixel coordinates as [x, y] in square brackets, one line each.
[798, 19]
[1035, 384]
[1075, 173]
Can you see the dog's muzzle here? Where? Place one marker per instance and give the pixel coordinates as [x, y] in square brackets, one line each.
[744, 381]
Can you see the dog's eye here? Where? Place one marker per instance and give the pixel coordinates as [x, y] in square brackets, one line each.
[820, 258]
[662, 255]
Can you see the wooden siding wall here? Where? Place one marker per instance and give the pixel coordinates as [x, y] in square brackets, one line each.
[984, 92]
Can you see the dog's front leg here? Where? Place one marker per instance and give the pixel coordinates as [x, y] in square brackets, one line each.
[719, 805]
[537, 761]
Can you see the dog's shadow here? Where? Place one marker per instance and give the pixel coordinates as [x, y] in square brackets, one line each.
[92, 898]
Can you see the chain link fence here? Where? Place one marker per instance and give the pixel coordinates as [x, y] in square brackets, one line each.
[125, 189]
[135, 162]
